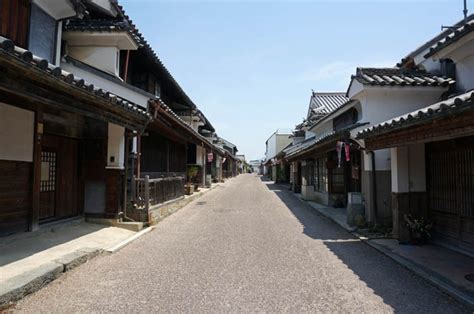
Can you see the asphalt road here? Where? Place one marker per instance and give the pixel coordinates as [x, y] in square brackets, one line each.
[246, 246]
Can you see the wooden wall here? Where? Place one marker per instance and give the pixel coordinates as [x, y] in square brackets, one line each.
[160, 154]
[15, 196]
[14, 20]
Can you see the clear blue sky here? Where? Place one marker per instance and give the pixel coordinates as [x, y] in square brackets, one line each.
[250, 65]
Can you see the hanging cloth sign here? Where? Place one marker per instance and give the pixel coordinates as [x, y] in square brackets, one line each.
[347, 148]
[339, 151]
[210, 157]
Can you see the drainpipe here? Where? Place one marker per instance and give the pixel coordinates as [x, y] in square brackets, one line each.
[374, 184]
[125, 72]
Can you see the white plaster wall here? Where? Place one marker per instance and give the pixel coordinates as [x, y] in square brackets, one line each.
[282, 140]
[103, 58]
[323, 128]
[309, 134]
[399, 169]
[116, 147]
[465, 73]
[105, 5]
[382, 160]
[408, 168]
[58, 9]
[107, 85]
[199, 155]
[429, 65]
[381, 104]
[16, 133]
[271, 147]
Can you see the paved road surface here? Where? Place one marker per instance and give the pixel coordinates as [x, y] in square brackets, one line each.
[244, 247]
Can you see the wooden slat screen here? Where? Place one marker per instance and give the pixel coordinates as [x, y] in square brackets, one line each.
[14, 20]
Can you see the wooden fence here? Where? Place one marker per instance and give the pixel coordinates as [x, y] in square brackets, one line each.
[148, 192]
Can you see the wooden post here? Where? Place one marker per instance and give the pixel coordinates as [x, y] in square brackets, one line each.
[126, 172]
[34, 217]
[134, 188]
[139, 156]
[125, 72]
[147, 194]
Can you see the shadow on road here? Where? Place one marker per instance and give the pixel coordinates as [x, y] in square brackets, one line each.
[395, 285]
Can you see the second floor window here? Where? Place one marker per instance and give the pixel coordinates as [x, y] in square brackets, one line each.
[14, 21]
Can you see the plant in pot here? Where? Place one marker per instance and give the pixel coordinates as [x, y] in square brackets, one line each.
[420, 229]
[192, 174]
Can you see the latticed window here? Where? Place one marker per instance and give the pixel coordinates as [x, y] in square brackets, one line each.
[48, 171]
[320, 174]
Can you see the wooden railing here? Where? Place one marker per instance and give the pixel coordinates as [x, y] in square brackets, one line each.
[148, 192]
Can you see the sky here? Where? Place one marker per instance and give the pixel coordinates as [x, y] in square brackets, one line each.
[250, 65]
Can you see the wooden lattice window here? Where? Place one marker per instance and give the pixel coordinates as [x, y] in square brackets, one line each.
[48, 171]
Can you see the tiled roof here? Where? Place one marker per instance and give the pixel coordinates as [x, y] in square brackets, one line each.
[311, 143]
[459, 33]
[171, 114]
[28, 59]
[399, 77]
[150, 52]
[101, 25]
[324, 103]
[441, 109]
[432, 41]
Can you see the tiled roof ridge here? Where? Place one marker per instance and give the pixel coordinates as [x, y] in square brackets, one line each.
[328, 93]
[7, 46]
[177, 118]
[397, 76]
[456, 35]
[143, 42]
[433, 40]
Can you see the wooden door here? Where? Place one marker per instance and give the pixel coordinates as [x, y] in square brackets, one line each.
[450, 169]
[59, 178]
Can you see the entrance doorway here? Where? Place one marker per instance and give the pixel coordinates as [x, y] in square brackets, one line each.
[59, 178]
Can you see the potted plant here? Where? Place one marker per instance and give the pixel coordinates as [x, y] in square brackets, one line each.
[420, 229]
[192, 174]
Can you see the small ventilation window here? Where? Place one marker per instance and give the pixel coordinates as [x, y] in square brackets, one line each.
[448, 68]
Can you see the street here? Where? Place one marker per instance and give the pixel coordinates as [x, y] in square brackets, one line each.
[246, 246]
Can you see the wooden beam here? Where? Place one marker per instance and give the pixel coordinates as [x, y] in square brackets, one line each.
[441, 129]
[40, 87]
[38, 133]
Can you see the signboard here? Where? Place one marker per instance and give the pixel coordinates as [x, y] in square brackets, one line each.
[210, 157]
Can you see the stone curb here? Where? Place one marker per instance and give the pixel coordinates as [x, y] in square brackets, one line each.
[31, 281]
[126, 242]
[449, 289]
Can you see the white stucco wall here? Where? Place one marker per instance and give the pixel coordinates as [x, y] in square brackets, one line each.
[462, 53]
[107, 85]
[103, 58]
[381, 104]
[465, 73]
[116, 147]
[271, 147]
[282, 141]
[322, 128]
[408, 168]
[16, 133]
[200, 160]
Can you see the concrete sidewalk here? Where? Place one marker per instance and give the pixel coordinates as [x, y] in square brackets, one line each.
[444, 268]
[30, 260]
